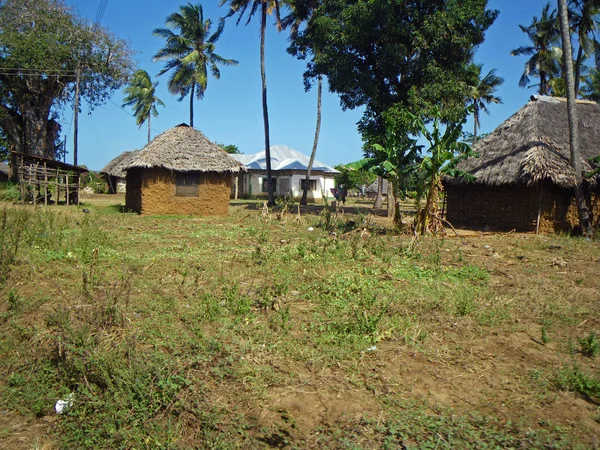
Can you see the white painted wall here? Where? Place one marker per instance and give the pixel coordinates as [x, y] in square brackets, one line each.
[324, 186]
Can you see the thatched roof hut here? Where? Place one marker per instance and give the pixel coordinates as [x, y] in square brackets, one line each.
[184, 149]
[523, 175]
[115, 172]
[180, 172]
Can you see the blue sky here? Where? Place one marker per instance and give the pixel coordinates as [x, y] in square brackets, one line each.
[231, 110]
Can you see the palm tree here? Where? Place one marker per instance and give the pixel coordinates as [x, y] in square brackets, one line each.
[591, 86]
[141, 96]
[584, 219]
[584, 14]
[482, 94]
[266, 7]
[301, 10]
[544, 51]
[191, 53]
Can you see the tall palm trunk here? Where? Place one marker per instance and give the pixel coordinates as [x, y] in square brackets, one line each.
[304, 198]
[192, 105]
[475, 122]
[584, 218]
[263, 76]
[149, 127]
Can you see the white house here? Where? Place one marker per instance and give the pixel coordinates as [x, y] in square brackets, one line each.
[288, 170]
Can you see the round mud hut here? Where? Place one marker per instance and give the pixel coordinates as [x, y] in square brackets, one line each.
[180, 172]
[523, 178]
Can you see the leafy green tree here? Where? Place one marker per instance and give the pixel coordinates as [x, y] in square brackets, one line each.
[584, 218]
[190, 53]
[482, 94]
[231, 149]
[42, 46]
[444, 152]
[4, 146]
[544, 51]
[353, 179]
[140, 94]
[240, 7]
[381, 53]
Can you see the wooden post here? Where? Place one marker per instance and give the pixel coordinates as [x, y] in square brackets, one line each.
[78, 187]
[537, 224]
[67, 187]
[45, 185]
[57, 187]
[21, 180]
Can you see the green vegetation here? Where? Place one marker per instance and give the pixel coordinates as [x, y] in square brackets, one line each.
[179, 332]
[140, 94]
[52, 47]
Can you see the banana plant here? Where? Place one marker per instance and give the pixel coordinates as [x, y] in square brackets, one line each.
[394, 162]
[444, 152]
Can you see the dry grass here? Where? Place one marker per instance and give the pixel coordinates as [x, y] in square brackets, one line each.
[251, 331]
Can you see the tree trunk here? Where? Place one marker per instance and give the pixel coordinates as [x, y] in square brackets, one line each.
[304, 198]
[391, 200]
[475, 121]
[584, 218]
[263, 76]
[149, 128]
[192, 105]
[379, 198]
[578, 70]
[395, 200]
[76, 118]
[543, 88]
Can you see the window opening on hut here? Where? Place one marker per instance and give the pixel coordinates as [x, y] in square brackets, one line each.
[273, 183]
[186, 184]
[312, 184]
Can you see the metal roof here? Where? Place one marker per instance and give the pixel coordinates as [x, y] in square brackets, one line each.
[282, 158]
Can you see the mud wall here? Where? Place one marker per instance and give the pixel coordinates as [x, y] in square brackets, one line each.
[508, 208]
[158, 194]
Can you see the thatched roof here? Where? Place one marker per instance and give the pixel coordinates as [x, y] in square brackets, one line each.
[533, 145]
[184, 149]
[115, 167]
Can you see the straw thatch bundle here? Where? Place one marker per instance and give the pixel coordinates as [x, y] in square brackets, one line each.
[184, 149]
[533, 145]
[116, 167]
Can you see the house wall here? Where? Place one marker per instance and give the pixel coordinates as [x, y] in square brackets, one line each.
[508, 208]
[250, 184]
[157, 194]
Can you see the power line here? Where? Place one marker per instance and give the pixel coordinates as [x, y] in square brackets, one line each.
[99, 13]
[129, 114]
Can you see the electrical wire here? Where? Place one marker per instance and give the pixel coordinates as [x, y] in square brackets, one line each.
[99, 13]
[129, 114]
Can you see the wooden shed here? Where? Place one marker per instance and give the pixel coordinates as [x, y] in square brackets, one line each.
[180, 172]
[523, 175]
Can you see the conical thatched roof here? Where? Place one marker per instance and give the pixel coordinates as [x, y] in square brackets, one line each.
[184, 149]
[115, 167]
[533, 145]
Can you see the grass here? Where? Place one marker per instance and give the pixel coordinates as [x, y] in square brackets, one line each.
[249, 331]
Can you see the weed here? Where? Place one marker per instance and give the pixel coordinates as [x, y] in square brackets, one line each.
[575, 379]
[544, 335]
[590, 345]
[15, 301]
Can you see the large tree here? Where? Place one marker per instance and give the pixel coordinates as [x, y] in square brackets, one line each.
[584, 218]
[544, 50]
[42, 45]
[240, 7]
[381, 53]
[140, 94]
[190, 53]
[482, 93]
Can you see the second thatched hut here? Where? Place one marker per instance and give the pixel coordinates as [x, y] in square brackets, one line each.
[180, 172]
[523, 176]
